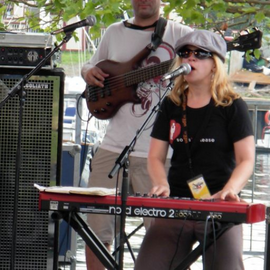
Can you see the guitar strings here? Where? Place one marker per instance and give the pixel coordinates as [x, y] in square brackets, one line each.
[129, 79]
[114, 81]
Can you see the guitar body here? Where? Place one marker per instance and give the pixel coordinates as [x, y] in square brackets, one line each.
[119, 88]
[103, 103]
[246, 42]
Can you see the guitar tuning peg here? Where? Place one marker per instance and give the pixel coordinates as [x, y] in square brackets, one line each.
[244, 32]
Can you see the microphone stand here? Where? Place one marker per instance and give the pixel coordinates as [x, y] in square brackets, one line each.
[122, 161]
[19, 89]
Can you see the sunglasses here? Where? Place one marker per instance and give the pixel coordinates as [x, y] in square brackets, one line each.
[200, 54]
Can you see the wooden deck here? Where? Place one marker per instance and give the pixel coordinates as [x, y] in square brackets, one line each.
[248, 77]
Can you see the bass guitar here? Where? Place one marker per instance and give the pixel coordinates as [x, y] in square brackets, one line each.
[120, 87]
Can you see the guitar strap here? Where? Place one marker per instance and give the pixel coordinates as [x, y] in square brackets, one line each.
[158, 34]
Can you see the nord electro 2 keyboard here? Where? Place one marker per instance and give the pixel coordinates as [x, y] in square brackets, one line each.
[143, 206]
[69, 206]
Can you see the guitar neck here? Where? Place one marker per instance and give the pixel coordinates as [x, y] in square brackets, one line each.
[140, 75]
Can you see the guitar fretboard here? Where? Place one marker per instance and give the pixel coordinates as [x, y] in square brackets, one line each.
[146, 73]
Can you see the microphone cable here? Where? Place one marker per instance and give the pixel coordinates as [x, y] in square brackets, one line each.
[204, 241]
[177, 243]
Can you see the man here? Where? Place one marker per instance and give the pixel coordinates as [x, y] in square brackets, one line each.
[121, 43]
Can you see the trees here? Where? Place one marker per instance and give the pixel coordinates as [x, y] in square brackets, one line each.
[214, 14]
[44, 15]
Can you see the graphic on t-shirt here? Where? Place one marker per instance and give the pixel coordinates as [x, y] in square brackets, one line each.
[151, 91]
[175, 129]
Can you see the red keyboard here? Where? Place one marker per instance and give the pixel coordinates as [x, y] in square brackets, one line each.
[160, 207]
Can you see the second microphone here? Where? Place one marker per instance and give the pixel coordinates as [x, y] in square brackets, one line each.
[183, 69]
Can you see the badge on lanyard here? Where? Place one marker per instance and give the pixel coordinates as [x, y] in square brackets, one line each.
[198, 187]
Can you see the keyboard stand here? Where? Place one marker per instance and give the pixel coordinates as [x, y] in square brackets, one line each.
[90, 238]
[105, 257]
[198, 251]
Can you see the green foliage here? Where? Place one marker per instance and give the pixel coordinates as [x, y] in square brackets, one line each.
[259, 17]
[206, 14]
[219, 7]
[257, 53]
[194, 17]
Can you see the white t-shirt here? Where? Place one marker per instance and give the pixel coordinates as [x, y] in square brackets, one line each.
[121, 44]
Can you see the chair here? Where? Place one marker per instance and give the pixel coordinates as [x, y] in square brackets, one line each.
[70, 114]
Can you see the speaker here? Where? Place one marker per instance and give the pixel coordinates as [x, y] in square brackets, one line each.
[41, 149]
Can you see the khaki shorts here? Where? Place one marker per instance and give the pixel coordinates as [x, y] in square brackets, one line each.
[139, 181]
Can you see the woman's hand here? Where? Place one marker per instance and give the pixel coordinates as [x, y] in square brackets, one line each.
[160, 190]
[226, 195]
[244, 155]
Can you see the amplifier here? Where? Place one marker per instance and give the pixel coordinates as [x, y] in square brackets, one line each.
[41, 148]
[25, 50]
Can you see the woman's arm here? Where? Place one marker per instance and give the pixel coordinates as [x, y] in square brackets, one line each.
[245, 156]
[156, 160]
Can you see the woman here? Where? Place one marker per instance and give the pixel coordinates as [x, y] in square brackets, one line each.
[208, 126]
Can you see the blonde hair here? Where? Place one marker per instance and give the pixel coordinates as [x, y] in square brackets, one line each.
[221, 89]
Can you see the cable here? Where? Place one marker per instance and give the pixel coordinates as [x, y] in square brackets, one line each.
[115, 218]
[204, 241]
[77, 106]
[84, 154]
[215, 243]
[177, 244]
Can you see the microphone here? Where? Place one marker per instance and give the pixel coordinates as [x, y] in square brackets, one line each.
[183, 69]
[90, 20]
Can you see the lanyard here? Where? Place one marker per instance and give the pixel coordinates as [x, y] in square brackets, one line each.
[185, 133]
[199, 133]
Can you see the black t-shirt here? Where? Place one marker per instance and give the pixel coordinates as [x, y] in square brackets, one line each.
[210, 142]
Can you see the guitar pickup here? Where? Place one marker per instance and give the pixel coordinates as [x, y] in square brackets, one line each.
[105, 92]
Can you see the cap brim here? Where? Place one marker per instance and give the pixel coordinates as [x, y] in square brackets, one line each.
[184, 44]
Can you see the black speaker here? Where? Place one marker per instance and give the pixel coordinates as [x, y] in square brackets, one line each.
[41, 149]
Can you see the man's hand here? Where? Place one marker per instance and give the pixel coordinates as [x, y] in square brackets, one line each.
[95, 76]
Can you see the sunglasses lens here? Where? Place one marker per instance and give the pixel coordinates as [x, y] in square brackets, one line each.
[184, 54]
[200, 54]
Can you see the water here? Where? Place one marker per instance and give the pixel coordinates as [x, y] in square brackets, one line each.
[257, 190]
